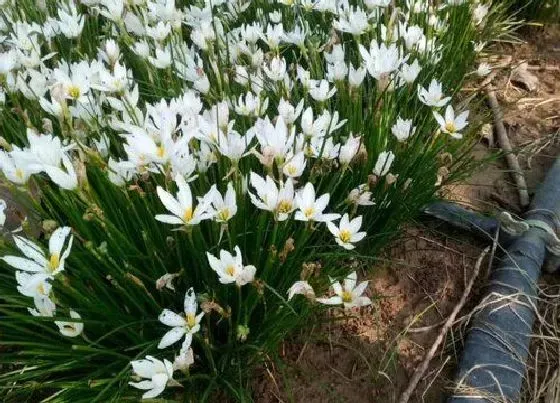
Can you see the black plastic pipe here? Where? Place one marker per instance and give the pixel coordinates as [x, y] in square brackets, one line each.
[497, 345]
[457, 216]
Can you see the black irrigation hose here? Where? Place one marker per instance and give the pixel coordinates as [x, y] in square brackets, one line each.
[497, 345]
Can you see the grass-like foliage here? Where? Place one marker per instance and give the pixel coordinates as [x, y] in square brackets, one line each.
[193, 173]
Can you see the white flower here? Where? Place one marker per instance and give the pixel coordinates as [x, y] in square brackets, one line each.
[384, 162]
[275, 140]
[33, 285]
[295, 165]
[483, 69]
[479, 12]
[234, 145]
[44, 306]
[433, 96]
[166, 281]
[182, 325]
[349, 294]
[184, 360]
[403, 129]
[159, 374]
[356, 76]
[409, 72]
[320, 91]
[354, 21]
[277, 69]
[348, 231]
[360, 196]
[17, 166]
[35, 260]
[280, 201]
[381, 60]
[349, 150]
[288, 112]
[251, 105]
[301, 288]
[162, 60]
[412, 35]
[310, 209]
[230, 268]
[72, 23]
[452, 124]
[182, 206]
[222, 209]
[71, 329]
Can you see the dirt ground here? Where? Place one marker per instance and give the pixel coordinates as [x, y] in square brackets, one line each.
[370, 356]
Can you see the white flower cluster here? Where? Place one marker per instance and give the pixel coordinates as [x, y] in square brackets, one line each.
[36, 270]
[244, 96]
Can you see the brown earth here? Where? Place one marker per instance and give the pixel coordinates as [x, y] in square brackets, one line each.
[370, 356]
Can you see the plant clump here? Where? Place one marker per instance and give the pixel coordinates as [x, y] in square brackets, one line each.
[201, 169]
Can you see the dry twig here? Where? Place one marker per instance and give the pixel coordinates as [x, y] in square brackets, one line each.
[505, 145]
[421, 370]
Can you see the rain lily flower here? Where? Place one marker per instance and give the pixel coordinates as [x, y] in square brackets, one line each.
[479, 12]
[222, 209]
[348, 231]
[301, 288]
[166, 281]
[158, 373]
[452, 124]
[35, 260]
[409, 72]
[295, 166]
[403, 129]
[356, 76]
[354, 22]
[384, 162]
[381, 59]
[33, 285]
[349, 149]
[320, 91]
[288, 112]
[348, 294]
[230, 268]
[71, 329]
[483, 69]
[360, 196]
[269, 197]
[44, 307]
[433, 96]
[182, 206]
[310, 209]
[185, 325]
[184, 360]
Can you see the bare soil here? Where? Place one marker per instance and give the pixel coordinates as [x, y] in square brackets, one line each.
[370, 356]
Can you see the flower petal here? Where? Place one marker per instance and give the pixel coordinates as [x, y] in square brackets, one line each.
[172, 336]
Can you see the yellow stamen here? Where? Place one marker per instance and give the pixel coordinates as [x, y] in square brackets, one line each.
[41, 289]
[450, 127]
[291, 169]
[230, 270]
[74, 92]
[191, 320]
[54, 261]
[188, 214]
[346, 296]
[308, 212]
[285, 206]
[223, 215]
[344, 236]
[19, 173]
[160, 151]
